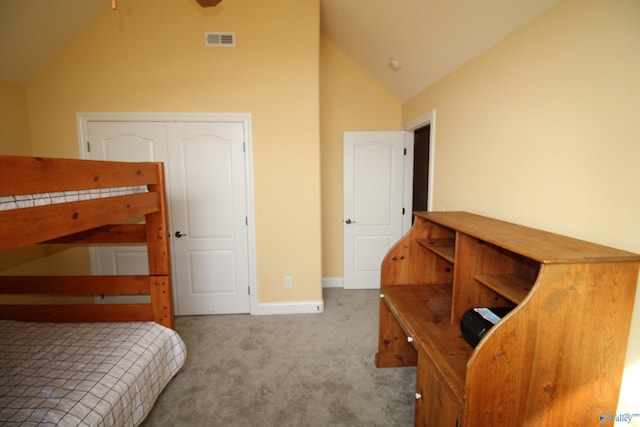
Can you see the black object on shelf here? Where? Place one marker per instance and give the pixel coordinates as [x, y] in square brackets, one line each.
[477, 321]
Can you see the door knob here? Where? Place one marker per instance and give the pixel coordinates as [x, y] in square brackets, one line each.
[348, 221]
[179, 234]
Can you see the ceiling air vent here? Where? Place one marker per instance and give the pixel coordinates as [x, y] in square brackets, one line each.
[220, 39]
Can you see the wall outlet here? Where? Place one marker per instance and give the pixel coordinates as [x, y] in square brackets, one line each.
[288, 281]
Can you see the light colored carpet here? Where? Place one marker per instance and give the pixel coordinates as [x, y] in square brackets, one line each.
[287, 370]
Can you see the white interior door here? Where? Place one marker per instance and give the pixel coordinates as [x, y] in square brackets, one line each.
[209, 217]
[373, 198]
[132, 142]
[207, 197]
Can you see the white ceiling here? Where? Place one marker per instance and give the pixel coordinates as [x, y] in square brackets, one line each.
[429, 38]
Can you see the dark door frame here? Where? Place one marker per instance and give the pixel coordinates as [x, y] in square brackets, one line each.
[428, 118]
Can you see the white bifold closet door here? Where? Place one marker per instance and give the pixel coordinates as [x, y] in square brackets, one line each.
[207, 192]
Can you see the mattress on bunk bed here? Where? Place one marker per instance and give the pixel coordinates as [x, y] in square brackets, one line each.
[44, 199]
[93, 374]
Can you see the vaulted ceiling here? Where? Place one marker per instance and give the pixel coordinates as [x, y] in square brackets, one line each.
[33, 32]
[427, 39]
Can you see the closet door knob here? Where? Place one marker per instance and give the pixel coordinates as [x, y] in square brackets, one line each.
[348, 221]
[179, 234]
[418, 396]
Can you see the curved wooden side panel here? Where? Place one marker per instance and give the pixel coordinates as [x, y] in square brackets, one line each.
[558, 358]
[395, 264]
[408, 262]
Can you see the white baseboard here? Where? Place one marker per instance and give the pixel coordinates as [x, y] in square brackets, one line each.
[298, 307]
[332, 282]
[295, 307]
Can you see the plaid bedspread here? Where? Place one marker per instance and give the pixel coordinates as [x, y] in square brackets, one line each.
[84, 374]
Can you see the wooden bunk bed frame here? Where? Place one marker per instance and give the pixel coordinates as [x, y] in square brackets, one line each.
[87, 222]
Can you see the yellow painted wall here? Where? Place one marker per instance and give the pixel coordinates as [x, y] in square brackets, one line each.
[350, 100]
[24, 261]
[14, 140]
[14, 120]
[543, 130]
[150, 56]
